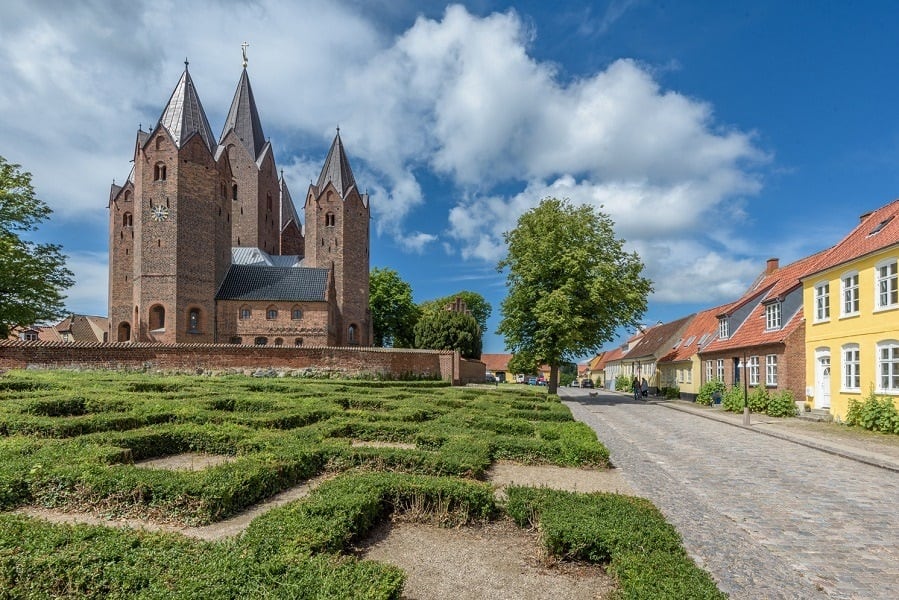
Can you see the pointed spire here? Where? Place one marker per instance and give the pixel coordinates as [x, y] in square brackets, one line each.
[288, 210]
[184, 116]
[337, 169]
[243, 118]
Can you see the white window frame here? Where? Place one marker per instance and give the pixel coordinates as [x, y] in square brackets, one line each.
[688, 375]
[719, 370]
[851, 375]
[773, 316]
[723, 332]
[849, 296]
[888, 367]
[753, 370]
[771, 370]
[822, 302]
[708, 370]
[886, 284]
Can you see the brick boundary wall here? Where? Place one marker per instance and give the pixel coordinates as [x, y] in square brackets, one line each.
[193, 358]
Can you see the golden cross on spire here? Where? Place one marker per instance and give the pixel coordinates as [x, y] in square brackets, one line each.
[243, 48]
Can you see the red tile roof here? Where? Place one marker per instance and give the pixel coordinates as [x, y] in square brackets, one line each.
[610, 356]
[496, 362]
[701, 332]
[753, 332]
[877, 230]
[655, 339]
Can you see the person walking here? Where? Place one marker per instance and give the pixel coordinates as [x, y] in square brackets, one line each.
[635, 386]
[644, 388]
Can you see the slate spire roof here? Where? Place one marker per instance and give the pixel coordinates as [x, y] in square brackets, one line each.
[184, 116]
[243, 118]
[288, 210]
[337, 169]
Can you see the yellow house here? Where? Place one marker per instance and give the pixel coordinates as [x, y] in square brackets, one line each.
[851, 304]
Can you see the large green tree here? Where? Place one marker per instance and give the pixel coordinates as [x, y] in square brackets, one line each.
[393, 312]
[32, 276]
[476, 303]
[571, 284]
[448, 330]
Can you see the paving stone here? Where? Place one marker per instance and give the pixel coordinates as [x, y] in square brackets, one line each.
[768, 518]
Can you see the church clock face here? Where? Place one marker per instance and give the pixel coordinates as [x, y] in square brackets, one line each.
[159, 213]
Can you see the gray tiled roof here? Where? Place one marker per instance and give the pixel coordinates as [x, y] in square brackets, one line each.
[337, 169]
[299, 284]
[184, 116]
[242, 255]
[243, 118]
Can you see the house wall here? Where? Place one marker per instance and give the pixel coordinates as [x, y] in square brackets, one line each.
[790, 364]
[193, 358]
[866, 329]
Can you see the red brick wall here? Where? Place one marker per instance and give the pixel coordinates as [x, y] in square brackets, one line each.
[790, 363]
[312, 327]
[217, 357]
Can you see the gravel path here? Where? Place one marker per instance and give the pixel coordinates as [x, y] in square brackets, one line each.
[767, 517]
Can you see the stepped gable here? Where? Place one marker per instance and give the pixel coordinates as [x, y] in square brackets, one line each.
[243, 118]
[184, 116]
[294, 284]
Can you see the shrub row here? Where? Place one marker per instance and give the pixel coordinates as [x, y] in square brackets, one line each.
[874, 414]
[643, 551]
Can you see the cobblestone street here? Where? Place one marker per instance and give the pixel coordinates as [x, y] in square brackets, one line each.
[768, 518]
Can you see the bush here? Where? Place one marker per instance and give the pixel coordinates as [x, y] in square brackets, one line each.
[782, 404]
[707, 391]
[734, 400]
[623, 383]
[875, 414]
[758, 399]
[644, 551]
[672, 393]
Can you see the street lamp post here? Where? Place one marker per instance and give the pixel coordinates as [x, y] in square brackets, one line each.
[745, 390]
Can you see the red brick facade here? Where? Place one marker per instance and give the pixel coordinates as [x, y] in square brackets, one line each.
[189, 200]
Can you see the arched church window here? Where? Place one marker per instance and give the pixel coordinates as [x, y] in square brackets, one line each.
[245, 313]
[159, 172]
[193, 320]
[159, 143]
[268, 201]
[128, 196]
[296, 313]
[157, 317]
[260, 341]
[330, 219]
[271, 313]
[351, 335]
[298, 341]
[279, 342]
[124, 332]
[126, 220]
[234, 192]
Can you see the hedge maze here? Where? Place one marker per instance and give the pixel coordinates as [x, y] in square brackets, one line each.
[74, 441]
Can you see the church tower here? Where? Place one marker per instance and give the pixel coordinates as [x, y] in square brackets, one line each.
[337, 237]
[178, 200]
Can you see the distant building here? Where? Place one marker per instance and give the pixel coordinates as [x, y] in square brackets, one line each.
[205, 244]
[74, 328]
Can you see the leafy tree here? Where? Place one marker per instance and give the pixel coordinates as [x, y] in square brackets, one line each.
[476, 303]
[524, 363]
[393, 312]
[448, 330]
[32, 276]
[571, 284]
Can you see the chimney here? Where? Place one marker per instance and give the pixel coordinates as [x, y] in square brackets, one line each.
[862, 218]
[771, 265]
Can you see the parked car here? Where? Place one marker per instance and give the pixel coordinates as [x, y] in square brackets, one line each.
[574, 383]
[520, 378]
[532, 381]
[490, 378]
[541, 381]
[587, 383]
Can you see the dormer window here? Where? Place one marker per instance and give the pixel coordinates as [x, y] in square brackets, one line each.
[723, 332]
[773, 318]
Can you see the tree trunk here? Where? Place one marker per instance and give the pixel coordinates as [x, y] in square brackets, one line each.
[553, 385]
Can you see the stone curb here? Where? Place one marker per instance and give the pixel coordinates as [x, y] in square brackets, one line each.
[834, 449]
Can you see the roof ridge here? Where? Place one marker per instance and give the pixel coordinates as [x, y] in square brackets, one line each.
[184, 116]
[243, 118]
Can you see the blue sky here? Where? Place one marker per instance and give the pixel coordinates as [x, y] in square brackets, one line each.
[715, 134]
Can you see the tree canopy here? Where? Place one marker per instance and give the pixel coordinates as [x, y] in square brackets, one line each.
[393, 312]
[476, 303]
[32, 276]
[448, 330]
[571, 284]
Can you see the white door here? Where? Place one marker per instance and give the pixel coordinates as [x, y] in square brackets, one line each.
[822, 383]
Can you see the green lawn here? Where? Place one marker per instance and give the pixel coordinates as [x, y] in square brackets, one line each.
[70, 439]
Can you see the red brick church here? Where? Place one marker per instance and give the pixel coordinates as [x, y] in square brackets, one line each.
[205, 244]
